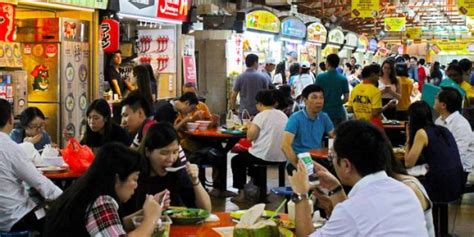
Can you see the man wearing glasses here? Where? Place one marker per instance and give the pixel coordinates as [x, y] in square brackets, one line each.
[377, 205]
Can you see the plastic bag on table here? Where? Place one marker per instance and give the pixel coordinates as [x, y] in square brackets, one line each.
[78, 157]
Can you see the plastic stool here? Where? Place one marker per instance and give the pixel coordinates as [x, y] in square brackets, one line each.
[285, 192]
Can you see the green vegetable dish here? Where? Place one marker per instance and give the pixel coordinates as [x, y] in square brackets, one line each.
[187, 215]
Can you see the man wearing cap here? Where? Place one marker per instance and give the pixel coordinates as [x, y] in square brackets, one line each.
[268, 70]
[292, 57]
[305, 79]
[248, 84]
[335, 86]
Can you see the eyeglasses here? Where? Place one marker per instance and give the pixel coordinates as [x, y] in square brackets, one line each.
[34, 126]
[331, 157]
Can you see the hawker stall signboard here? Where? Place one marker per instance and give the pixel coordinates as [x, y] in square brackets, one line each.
[109, 32]
[293, 27]
[372, 45]
[336, 37]
[173, 9]
[262, 20]
[316, 33]
[362, 44]
[413, 33]
[351, 40]
[98, 4]
[365, 8]
[466, 7]
[395, 24]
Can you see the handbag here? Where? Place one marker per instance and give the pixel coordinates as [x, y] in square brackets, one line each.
[242, 146]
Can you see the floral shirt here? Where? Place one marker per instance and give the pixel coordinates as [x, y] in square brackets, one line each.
[103, 219]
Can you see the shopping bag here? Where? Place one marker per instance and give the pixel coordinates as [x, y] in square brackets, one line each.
[242, 146]
[78, 157]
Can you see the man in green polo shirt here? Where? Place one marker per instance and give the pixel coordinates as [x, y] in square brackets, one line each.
[335, 87]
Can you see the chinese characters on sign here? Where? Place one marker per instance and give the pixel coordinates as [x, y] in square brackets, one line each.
[395, 24]
[466, 7]
[365, 8]
[173, 9]
[110, 35]
[262, 21]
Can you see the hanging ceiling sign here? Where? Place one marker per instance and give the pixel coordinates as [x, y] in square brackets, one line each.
[336, 36]
[110, 35]
[262, 20]
[351, 40]
[97, 4]
[372, 45]
[7, 22]
[395, 24]
[293, 27]
[316, 33]
[466, 7]
[365, 8]
[413, 33]
[173, 9]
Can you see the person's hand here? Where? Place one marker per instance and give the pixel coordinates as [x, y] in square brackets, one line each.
[326, 179]
[193, 172]
[299, 180]
[35, 139]
[322, 201]
[198, 115]
[151, 208]
[163, 198]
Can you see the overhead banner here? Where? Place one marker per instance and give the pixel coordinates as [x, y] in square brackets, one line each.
[293, 27]
[316, 33]
[365, 8]
[466, 7]
[413, 33]
[395, 24]
[262, 20]
[458, 47]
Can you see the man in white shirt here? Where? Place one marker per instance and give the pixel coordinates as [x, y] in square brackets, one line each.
[17, 208]
[448, 103]
[377, 205]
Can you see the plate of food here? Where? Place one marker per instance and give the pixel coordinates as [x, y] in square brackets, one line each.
[391, 122]
[187, 216]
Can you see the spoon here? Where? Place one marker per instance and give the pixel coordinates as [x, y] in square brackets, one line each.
[174, 169]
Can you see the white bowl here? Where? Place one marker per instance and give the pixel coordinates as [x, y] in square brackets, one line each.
[204, 122]
[53, 161]
[192, 125]
[201, 128]
[191, 129]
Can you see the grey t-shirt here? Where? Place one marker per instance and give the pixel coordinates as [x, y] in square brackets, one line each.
[248, 84]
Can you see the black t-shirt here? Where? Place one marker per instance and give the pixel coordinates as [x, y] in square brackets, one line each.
[178, 183]
[111, 74]
[165, 112]
[117, 134]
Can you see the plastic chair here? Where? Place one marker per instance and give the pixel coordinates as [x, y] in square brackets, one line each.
[284, 192]
[261, 172]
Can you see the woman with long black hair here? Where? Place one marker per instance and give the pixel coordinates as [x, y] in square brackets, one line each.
[389, 87]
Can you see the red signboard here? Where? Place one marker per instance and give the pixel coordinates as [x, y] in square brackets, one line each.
[173, 9]
[7, 22]
[189, 68]
[110, 37]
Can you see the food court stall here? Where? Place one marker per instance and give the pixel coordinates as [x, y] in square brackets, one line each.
[293, 32]
[361, 49]
[334, 42]
[316, 36]
[350, 44]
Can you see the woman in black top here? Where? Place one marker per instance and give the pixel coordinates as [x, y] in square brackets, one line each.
[100, 127]
[112, 75]
[160, 148]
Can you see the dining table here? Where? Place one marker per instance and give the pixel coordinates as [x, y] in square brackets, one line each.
[395, 126]
[229, 138]
[320, 153]
[206, 229]
[63, 178]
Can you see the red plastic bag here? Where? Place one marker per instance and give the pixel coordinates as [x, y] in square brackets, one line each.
[242, 146]
[78, 157]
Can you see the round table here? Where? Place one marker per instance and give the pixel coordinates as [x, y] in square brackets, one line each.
[63, 179]
[321, 153]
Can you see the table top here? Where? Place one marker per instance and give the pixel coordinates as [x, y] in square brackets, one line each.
[68, 174]
[320, 153]
[203, 230]
[214, 133]
[400, 126]
[206, 229]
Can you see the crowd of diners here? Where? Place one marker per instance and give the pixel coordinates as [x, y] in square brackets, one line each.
[129, 175]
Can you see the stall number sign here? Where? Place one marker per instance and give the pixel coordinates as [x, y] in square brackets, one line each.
[365, 8]
[174, 9]
[336, 37]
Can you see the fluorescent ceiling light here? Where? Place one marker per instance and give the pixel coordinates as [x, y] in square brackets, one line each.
[54, 6]
[148, 19]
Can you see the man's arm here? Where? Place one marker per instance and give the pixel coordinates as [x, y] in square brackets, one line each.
[253, 132]
[116, 87]
[288, 149]
[233, 100]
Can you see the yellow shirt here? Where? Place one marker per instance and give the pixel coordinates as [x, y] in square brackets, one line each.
[199, 107]
[406, 88]
[363, 99]
[469, 92]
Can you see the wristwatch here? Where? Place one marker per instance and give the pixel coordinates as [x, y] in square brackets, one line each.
[335, 190]
[296, 197]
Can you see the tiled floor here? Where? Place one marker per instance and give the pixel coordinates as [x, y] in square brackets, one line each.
[462, 215]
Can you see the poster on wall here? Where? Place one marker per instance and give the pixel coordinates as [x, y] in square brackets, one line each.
[466, 7]
[234, 54]
[365, 8]
[395, 24]
[159, 49]
[7, 22]
[189, 67]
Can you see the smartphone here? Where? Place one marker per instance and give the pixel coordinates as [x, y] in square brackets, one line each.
[307, 161]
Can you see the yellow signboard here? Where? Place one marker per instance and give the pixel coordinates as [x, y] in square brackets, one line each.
[452, 46]
[466, 7]
[414, 33]
[395, 24]
[365, 8]
[262, 20]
